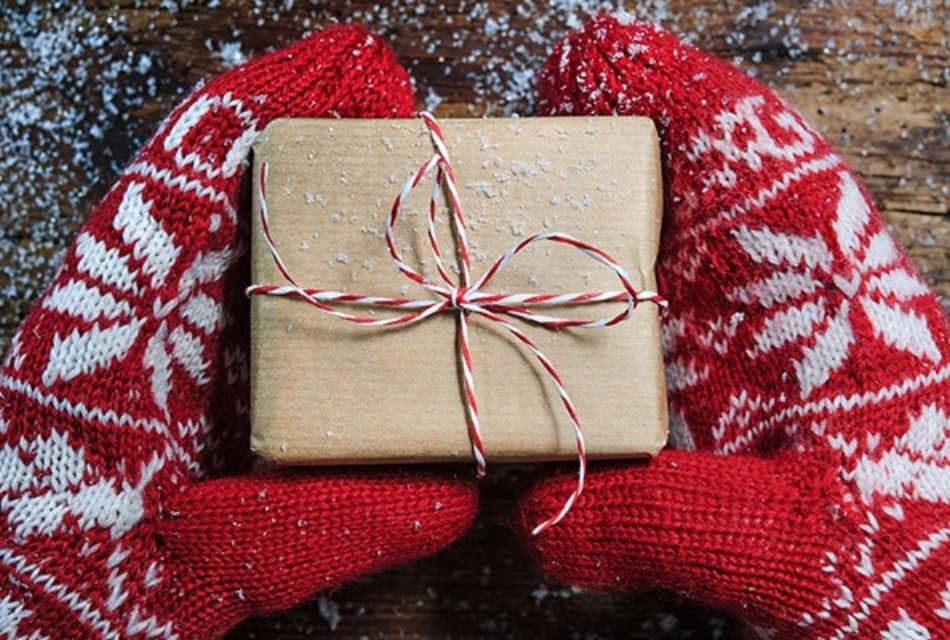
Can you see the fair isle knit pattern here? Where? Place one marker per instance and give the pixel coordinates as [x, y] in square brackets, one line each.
[126, 388]
[807, 366]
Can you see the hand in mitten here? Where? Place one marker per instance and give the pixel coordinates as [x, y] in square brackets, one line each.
[127, 385]
[807, 366]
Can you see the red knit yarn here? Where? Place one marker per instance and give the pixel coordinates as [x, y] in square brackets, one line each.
[807, 365]
[128, 383]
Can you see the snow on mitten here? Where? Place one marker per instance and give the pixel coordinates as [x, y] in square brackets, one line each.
[807, 366]
[127, 385]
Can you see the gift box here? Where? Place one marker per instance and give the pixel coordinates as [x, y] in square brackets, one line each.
[327, 391]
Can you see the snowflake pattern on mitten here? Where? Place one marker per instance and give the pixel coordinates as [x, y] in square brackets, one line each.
[808, 368]
[127, 384]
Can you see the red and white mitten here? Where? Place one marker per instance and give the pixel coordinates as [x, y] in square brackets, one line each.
[128, 383]
[807, 365]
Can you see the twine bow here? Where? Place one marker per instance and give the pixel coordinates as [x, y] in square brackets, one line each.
[466, 297]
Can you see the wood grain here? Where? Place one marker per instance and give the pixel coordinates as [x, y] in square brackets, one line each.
[870, 75]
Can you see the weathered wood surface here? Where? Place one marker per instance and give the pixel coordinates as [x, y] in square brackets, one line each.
[871, 75]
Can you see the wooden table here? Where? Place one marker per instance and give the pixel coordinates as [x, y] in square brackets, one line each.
[870, 75]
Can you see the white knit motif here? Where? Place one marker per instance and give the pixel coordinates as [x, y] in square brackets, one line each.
[44, 479]
[131, 288]
[746, 115]
[914, 466]
[237, 152]
[191, 316]
[874, 282]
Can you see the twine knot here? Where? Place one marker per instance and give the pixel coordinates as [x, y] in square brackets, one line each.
[458, 298]
[467, 297]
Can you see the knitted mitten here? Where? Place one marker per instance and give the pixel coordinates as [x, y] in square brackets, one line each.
[807, 366]
[127, 384]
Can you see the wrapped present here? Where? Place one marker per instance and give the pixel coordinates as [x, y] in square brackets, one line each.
[432, 294]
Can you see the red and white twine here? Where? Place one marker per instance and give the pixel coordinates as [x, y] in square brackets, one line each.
[467, 297]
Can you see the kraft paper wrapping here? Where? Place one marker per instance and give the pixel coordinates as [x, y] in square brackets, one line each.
[326, 391]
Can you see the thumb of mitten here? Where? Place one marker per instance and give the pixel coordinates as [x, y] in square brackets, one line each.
[737, 533]
[254, 544]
